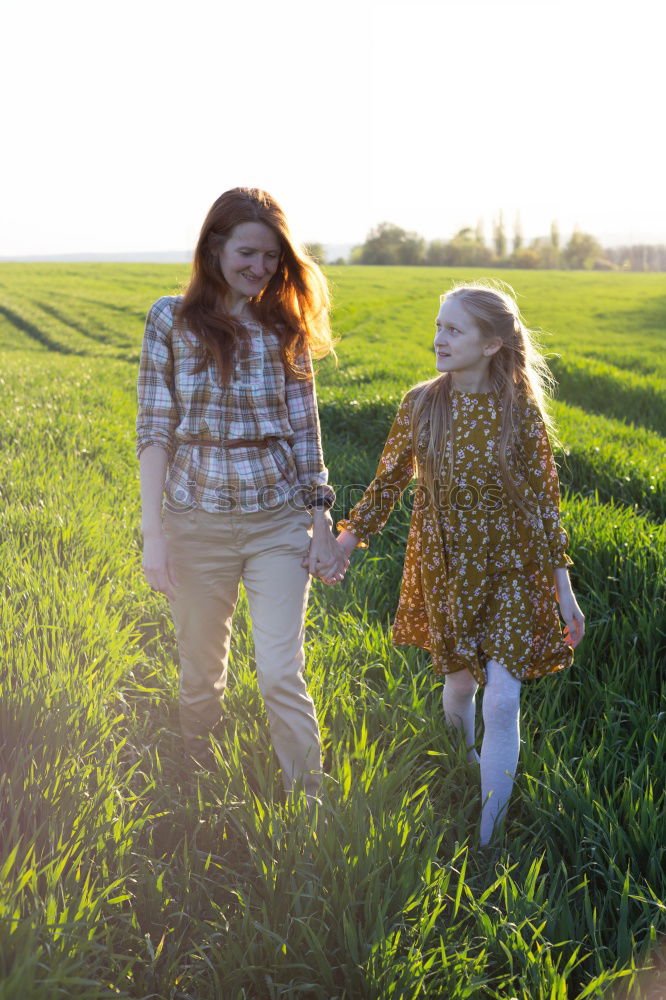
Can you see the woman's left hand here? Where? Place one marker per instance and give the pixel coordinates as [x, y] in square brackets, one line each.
[325, 558]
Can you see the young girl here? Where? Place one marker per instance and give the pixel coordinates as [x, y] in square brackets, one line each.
[227, 428]
[486, 554]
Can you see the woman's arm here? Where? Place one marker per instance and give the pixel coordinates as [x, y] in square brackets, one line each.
[324, 558]
[157, 412]
[158, 572]
[301, 399]
[157, 417]
[152, 471]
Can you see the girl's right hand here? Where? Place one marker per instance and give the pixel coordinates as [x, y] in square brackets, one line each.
[156, 567]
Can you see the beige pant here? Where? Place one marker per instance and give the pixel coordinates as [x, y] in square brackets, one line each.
[210, 553]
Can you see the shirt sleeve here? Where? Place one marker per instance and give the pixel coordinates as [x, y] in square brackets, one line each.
[157, 414]
[394, 473]
[301, 398]
[544, 482]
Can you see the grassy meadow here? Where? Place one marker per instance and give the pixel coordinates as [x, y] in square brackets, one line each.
[119, 878]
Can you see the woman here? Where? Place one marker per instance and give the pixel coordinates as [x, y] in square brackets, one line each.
[227, 427]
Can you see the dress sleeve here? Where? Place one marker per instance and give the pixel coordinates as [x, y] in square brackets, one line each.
[394, 473]
[301, 397]
[544, 482]
[157, 413]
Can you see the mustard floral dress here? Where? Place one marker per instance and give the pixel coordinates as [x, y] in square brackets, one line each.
[478, 579]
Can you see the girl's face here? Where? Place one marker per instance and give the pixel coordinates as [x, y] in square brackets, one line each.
[459, 344]
[249, 259]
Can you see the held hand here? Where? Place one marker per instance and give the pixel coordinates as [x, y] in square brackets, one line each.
[328, 563]
[346, 543]
[156, 567]
[574, 619]
[325, 559]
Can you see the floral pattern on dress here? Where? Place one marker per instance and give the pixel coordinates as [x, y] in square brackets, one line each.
[478, 579]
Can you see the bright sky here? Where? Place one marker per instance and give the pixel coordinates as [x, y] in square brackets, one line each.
[122, 122]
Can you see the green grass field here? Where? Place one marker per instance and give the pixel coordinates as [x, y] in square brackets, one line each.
[119, 880]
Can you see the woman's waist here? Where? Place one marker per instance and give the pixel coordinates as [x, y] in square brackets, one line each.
[235, 441]
[241, 496]
[212, 463]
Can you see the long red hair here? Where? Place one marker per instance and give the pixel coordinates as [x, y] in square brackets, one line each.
[295, 304]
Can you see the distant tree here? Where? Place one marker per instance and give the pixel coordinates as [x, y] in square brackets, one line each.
[582, 250]
[517, 234]
[412, 249]
[525, 257]
[464, 250]
[389, 244]
[499, 238]
[549, 256]
[604, 264]
[437, 253]
[480, 233]
[639, 257]
[317, 251]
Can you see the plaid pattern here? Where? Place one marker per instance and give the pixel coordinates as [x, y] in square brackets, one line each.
[175, 407]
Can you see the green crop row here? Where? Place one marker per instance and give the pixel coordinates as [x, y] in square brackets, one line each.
[615, 318]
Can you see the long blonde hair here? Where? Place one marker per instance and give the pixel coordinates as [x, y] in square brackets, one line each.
[518, 369]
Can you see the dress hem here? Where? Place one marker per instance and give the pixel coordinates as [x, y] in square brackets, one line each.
[530, 674]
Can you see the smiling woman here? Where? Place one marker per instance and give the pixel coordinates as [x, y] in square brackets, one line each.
[234, 442]
[248, 259]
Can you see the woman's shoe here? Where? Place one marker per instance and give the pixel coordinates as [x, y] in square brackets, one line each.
[200, 755]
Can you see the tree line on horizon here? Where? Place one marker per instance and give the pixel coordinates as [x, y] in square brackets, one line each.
[389, 244]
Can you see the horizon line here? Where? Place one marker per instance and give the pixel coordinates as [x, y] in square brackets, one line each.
[185, 256]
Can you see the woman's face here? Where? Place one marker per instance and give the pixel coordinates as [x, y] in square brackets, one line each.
[249, 259]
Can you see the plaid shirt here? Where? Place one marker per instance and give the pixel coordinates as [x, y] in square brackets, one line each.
[261, 401]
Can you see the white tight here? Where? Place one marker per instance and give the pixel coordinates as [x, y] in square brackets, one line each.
[501, 737]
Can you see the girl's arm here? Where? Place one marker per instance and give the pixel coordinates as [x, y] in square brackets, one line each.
[347, 541]
[544, 482]
[394, 473]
